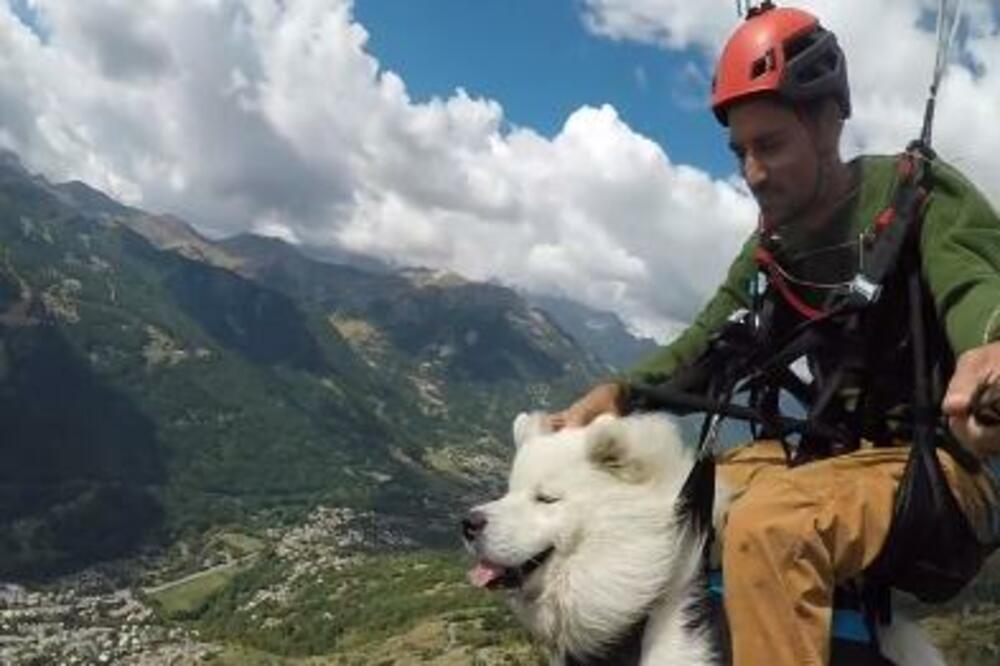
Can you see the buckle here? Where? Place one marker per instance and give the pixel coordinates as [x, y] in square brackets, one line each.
[865, 288]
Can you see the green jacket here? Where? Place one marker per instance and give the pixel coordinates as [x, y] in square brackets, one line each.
[960, 255]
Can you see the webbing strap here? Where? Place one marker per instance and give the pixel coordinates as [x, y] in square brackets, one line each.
[892, 227]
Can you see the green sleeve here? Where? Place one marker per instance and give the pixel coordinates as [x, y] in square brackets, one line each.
[960, 248]
[731, 296]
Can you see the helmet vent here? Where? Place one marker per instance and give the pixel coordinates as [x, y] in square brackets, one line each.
[762, 65]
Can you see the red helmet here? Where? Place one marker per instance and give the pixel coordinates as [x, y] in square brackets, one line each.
[783, 51]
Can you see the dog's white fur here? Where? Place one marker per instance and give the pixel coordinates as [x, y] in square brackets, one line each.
[605, 498]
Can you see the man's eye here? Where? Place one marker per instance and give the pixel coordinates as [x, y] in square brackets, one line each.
[545, 498]
[769, 146]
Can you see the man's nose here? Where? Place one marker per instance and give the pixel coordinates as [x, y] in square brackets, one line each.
[473, 524]
[754, 172]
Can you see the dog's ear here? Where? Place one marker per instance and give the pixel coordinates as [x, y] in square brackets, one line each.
[528, 425]
[609, 449]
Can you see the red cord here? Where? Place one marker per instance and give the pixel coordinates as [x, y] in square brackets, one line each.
[765, 259]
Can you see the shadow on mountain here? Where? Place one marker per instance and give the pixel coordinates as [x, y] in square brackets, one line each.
[263, 325]
[79, 463]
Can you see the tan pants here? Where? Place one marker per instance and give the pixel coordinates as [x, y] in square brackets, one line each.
[792, 534]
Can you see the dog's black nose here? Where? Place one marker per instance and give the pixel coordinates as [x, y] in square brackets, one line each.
[473, 524]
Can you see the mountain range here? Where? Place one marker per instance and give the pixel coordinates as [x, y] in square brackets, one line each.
[154, 381]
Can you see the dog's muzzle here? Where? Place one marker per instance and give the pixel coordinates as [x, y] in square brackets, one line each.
[496, 576]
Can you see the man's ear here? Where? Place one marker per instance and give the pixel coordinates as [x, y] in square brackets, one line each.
[529, 425]
[609, 449]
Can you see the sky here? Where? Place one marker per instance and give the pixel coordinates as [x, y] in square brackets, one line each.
[562, 147]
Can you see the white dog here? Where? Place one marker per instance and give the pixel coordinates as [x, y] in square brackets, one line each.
[593, 547]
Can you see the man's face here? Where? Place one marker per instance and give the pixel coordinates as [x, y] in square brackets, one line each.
[777, 157]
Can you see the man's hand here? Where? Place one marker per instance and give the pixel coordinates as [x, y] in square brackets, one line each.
[602, 399]
[975, 368]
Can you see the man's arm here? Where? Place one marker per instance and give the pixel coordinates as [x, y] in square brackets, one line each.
[961, 263]
[610, 396]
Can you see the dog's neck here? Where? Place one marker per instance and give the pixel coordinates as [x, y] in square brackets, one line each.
[675, 632]
[626, 652]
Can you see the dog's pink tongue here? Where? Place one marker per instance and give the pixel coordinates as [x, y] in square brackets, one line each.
[485, 573]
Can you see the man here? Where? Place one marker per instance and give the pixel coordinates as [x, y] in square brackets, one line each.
[796, 531]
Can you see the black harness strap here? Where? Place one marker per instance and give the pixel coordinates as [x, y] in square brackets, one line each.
[931, 550]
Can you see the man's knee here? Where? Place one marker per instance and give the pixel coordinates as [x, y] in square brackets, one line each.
[763, 520]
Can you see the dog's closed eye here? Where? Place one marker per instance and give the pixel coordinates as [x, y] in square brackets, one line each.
[546, 498]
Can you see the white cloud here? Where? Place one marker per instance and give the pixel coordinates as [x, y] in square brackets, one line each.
[669, 23]
[598, 213]
[271, 116]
